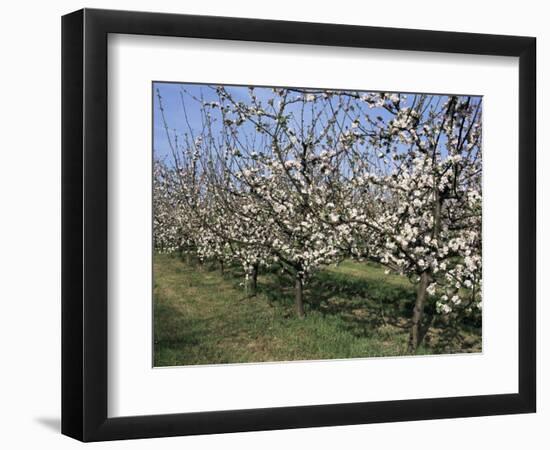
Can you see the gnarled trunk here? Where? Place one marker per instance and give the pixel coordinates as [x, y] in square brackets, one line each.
[298, 296]
[254, 280]
[416, 333]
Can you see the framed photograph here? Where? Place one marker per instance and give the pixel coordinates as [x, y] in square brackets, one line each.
[273, 224]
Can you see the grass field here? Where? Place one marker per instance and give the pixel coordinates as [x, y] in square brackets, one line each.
[353, 310]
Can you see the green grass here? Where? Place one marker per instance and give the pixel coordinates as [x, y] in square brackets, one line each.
[353, 310]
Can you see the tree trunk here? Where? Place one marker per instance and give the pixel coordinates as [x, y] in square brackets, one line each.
[188, 260]
[298, 296]
[254, 280]
[416, 333]
[222, 268]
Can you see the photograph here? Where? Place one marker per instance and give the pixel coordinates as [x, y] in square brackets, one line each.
[299, 224]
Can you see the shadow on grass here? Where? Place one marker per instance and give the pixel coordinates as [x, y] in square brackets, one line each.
[372, 307]
[356, 299]
[173, 332]
[364, 305]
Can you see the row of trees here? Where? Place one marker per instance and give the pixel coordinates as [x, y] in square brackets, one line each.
[303, 178]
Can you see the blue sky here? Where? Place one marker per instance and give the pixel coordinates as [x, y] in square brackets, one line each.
[171, 94]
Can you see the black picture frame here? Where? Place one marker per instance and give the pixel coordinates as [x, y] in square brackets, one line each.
[84, 224]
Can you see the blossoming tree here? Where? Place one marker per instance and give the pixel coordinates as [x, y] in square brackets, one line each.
[422, 168]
